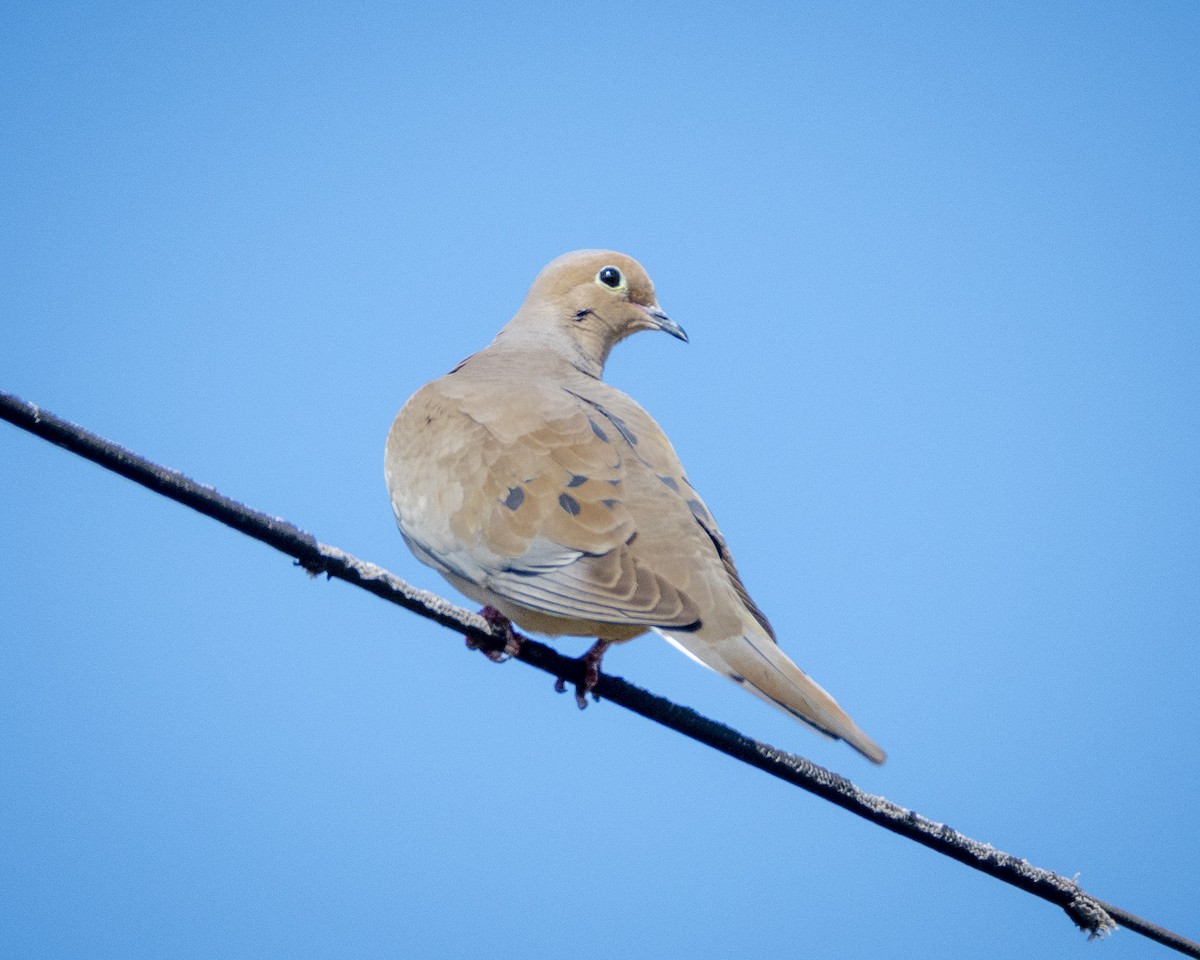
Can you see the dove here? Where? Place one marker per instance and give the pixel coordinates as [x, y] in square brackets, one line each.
[552, 498]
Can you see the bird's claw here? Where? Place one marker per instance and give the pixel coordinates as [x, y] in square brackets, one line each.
[591, 675]
[581, 692]
[512, 640]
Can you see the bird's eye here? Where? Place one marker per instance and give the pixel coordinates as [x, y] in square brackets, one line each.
[610, 277]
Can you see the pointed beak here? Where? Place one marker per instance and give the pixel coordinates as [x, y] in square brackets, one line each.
[665, 323]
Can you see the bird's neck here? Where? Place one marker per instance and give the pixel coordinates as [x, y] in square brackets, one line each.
[580, 349]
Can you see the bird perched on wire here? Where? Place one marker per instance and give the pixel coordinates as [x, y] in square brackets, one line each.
[556, 501]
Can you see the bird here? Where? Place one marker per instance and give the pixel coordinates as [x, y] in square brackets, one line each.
[552, 498]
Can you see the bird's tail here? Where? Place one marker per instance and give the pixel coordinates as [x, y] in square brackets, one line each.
[753, 660]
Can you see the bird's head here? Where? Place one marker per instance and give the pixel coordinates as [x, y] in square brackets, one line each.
[592, 300]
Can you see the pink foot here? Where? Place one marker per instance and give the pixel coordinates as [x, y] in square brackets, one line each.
[591, 674]
[512, 642]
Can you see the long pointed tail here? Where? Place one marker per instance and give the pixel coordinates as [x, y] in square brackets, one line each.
[753, 660]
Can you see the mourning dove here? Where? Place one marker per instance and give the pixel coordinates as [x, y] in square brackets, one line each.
[551, 497]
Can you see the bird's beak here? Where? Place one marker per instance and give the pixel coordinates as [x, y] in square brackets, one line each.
[665, 323]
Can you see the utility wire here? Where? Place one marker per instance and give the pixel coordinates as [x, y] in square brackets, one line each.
[1091, 915]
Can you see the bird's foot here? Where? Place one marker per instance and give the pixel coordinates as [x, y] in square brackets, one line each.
[591, 674]
[512, 641]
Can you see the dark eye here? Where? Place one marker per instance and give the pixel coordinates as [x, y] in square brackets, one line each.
[610, 277]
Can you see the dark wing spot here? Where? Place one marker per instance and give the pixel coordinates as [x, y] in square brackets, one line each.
[522, 571]
[615, 482]
[698, 510]
[670, 482]
[716, 540]
[737, 678]
[608, 415]
[622, 429]
[610, 502]
[516, 497]
[577, 480]
[569, 503]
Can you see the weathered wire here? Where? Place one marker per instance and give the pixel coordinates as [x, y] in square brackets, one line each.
[1091, 915]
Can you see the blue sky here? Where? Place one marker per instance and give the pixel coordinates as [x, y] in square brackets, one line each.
[939, 269]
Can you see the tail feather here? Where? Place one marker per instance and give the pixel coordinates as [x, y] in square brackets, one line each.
[753, 660]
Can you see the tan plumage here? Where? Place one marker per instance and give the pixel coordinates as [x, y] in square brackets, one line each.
[539, 490]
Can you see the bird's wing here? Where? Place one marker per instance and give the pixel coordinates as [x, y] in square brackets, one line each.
[537, 496]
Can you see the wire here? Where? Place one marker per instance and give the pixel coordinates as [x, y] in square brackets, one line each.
[1091, 915]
